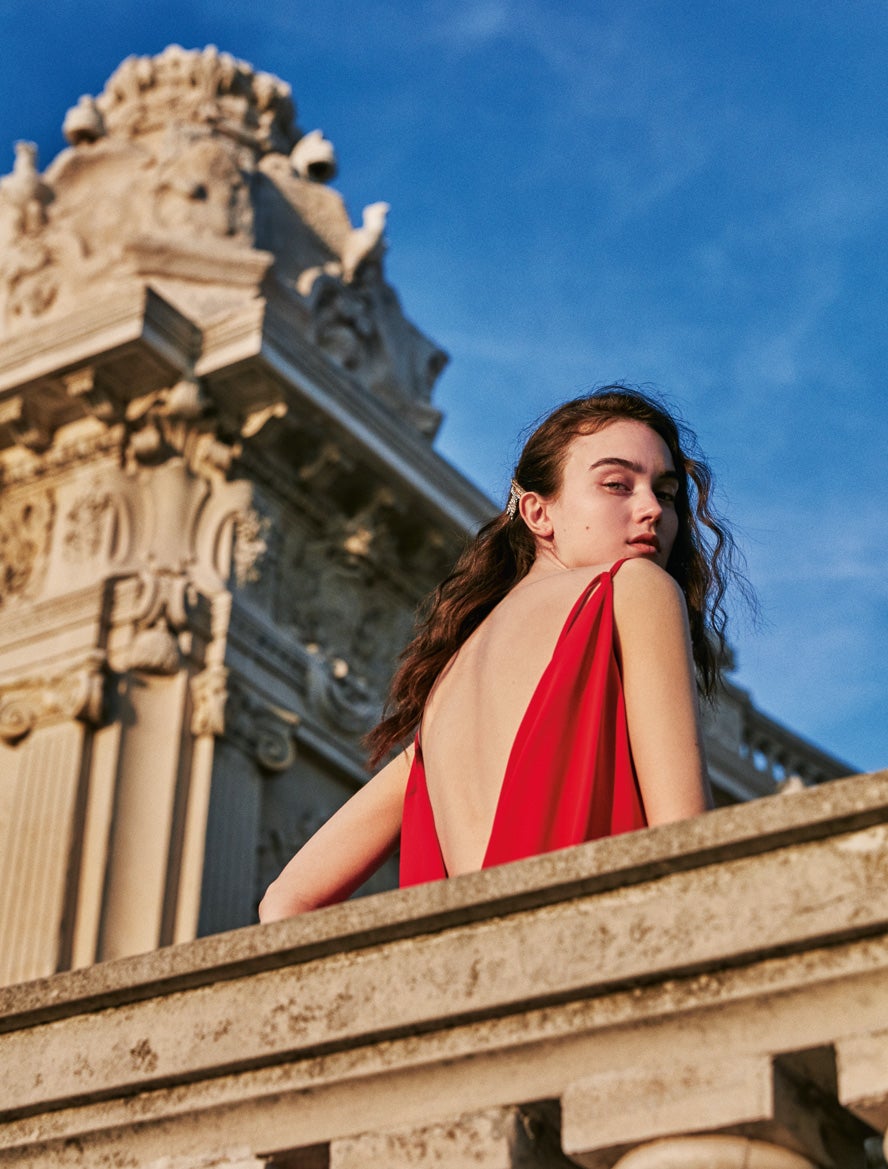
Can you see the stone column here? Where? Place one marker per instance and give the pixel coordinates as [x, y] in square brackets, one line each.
[43, 768]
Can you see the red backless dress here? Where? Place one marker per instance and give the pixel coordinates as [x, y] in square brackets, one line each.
[570, 776]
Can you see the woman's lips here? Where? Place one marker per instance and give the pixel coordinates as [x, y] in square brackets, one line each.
[649, 544]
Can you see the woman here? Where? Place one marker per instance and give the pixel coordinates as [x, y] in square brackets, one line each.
[553, 681]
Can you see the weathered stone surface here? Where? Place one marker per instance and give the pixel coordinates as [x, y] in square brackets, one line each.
[218, 484]
[496, 1138]
[757, 932]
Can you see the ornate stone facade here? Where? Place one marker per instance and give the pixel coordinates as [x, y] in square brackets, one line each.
[219, 507]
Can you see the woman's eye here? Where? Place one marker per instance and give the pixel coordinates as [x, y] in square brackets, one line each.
[615, 485]
[667, 496]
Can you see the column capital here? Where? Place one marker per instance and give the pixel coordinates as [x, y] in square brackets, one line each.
[76, 691]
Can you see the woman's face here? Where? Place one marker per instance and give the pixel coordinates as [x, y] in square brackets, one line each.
[616, 500]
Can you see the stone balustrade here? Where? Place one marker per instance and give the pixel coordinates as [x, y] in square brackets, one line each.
[751, 755]
[711, 994]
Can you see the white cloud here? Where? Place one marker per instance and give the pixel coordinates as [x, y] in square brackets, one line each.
[467, 25]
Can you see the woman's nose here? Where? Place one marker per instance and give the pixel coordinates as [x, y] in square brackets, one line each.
[649, 506]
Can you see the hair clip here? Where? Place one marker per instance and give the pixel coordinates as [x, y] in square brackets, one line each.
[515, 493]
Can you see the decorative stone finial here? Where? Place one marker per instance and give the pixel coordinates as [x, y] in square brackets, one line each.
[145, 94]
[314, 158]
[84, 122]
[365, 242]
[24, 189]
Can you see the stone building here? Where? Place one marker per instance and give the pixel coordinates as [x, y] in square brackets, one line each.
[220, 506]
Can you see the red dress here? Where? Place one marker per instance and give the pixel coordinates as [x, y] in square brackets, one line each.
[570, 776]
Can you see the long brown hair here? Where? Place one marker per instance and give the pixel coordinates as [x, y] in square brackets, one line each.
[702, 560]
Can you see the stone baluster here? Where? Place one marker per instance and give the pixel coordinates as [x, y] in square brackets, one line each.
[712, 1152]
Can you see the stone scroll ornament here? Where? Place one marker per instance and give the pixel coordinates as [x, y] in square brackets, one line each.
[223, 705]
[77, 693]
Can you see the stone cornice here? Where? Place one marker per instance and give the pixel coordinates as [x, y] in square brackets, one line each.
[108, 328]
[377, 428]
[135, 343]
[266, 342]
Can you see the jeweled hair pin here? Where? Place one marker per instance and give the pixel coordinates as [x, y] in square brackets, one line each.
[515, 493]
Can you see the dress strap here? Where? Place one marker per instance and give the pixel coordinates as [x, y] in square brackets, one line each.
[593, 585]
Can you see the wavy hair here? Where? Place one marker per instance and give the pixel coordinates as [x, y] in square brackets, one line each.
[703, 560]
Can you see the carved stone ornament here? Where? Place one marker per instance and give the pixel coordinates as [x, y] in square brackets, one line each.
[75, 693]
[334, 597]
[314, 158]
[155, 650]
[260, 729]
[185, 420]
[250, 545]
[340, 697]
[206, 88]
[25, 531]
[209, 695]
[85, 524]
[189, 173]
[164, 612]
[343, 324]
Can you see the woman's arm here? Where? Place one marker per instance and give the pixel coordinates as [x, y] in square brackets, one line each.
[660, 690]
[344, 852]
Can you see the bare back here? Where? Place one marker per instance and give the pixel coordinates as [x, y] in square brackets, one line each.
[478, 703]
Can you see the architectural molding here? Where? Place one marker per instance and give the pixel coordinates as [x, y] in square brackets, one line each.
[209, 696]
[226, 705]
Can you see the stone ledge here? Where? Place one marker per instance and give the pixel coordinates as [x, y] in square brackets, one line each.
[743, 937]
[728, 834]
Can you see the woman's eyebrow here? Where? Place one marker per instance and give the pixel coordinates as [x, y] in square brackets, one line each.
[616, 461]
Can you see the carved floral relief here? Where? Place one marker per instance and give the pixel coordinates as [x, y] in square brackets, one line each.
[25, 532]
[333, 597]
[85, 525]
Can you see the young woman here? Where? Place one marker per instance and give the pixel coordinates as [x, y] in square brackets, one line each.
[551, 691]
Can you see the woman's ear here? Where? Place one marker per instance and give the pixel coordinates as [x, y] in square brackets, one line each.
[534, 511]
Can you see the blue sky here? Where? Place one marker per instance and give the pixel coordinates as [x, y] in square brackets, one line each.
[692, 197]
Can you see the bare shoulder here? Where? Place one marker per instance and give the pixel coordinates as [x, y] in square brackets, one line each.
[643, 588]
